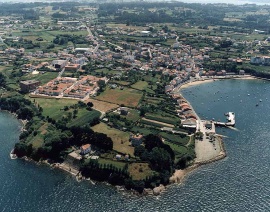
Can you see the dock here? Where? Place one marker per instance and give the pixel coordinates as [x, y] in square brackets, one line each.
[230, 120]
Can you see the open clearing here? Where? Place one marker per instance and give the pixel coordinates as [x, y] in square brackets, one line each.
[140, 171]
[120, 139]
[102, 106]
[140, 85]
[116, 164]
[43, 78]
[54, 107]
[127, 97]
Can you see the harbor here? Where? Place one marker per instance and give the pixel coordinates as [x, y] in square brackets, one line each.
[230, 120]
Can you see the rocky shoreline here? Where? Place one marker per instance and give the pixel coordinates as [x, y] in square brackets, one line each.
[177, 178]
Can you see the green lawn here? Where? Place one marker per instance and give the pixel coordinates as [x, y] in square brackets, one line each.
[144, 130]
[175, 138]
[43, 78]
[83, 117]
[152, 100]
[54, 107]
[120, 139]
[133, 115]
[128, 97]
[140, 171]
[140, 85]
[163, 117]
[120, 82]
[116, 164]
[58, 32]
[179, 150]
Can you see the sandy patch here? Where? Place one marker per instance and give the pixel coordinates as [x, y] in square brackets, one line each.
[196, 83]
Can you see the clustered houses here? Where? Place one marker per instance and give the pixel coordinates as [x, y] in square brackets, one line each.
[71, 87]
[265, 60]
[56, 86]
[184, 111]
[85, 86]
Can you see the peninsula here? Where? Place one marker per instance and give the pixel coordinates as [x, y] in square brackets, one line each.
[98, 84]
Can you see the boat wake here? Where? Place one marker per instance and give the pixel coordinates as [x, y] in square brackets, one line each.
[233, 128]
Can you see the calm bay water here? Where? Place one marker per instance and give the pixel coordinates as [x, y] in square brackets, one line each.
[238, 183]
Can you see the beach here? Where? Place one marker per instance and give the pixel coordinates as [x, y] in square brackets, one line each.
[198, 82]
[207, 80]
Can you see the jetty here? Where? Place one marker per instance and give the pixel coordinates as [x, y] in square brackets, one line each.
[230, 120]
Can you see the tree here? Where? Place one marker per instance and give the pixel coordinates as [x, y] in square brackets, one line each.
[75, 112]
[101, 84]
[2, 80]
[199, 135]
[152, 141]
[90, 104]
[22, 149]
[160, 159]
[139, 150]
[25, 113]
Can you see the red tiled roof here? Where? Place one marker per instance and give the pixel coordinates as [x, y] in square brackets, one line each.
[86, 146]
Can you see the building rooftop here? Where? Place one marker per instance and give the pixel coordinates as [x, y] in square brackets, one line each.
[86, 146]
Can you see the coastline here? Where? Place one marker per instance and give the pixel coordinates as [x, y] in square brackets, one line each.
[178, 176]
[207, 80]
[22, 122]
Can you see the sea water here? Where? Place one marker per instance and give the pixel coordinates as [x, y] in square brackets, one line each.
[238, 183]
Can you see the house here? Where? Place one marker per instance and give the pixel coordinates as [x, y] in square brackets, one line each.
[241, 72]
[68, 22]
[208, 125]
[118, 157]
[29, 85]
[189, 123]
[59, 64]
[73, 159]
[136, 140]
[85, 149]
[72, 67]
[145, 33]
[123, 111]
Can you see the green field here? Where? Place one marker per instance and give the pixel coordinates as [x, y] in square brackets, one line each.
[54, 107]
[175, 138]
[179, 150]
[163, 117]
[116, 164]
[127, 97]
[120, 139]
[154, 124]
[84, 117]
[140, 171]
[140, 85]
[144, 130]
[133, 115]
[43, 78]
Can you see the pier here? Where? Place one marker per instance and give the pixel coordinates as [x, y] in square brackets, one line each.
[230, 120]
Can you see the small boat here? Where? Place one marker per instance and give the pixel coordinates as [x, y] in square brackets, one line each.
[257, 105]
[248, 94]
[260, 100]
